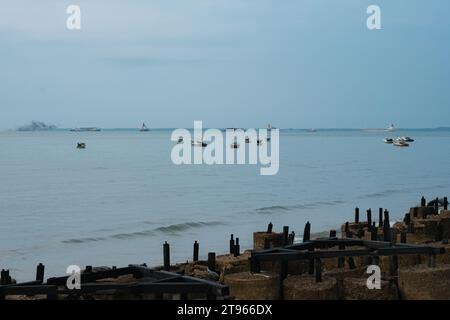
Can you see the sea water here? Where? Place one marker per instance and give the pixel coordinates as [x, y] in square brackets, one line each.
[118, 200]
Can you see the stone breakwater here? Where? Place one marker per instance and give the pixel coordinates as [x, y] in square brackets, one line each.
[413, 257]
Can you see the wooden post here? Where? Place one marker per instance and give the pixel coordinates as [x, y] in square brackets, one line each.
[269, 227]
[318, 270]
[332, 233]
[40, 272]
[393, 265]
[436, 206]
[195, 255]
[380, 217]
[423, 202]
[166, 254]
[386, 231]
[291, 238]
[369, 217]
[341, 260]
[386, 217]
[356, 215]
[255, 266]
[232, 245]
[212, 261]
[445, 203]
[285, 235]
[307, 232]
[403, 237]
[237, 248]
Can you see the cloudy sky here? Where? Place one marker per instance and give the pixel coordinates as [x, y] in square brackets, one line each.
[230, 63]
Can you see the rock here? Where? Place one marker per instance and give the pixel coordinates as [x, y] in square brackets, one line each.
[254, 286]
[424, 283]
[356, 289]
[305, 287]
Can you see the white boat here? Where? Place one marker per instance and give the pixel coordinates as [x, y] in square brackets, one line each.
[388, 140]
[406, 139]
[144, 128]
[388, 129]
[400, 143]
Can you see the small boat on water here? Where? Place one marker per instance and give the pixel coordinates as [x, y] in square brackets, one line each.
[406, 139]
[86, 129]
[199, 143]
[81, 145]
[388, 140]
[400, 143]
[144, 128]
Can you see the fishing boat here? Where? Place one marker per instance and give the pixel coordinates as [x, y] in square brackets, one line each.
[312, 130]
[144, 128]
[81, 145]
[388, 140]
[86, 129]
[400, 143]
[406, 139]
[388, 129]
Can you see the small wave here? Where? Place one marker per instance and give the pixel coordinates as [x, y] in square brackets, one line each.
[278, 208]
[382, 194]
[271, 209]
[173, 229]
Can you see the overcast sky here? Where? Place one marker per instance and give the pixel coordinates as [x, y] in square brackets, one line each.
[230, 63]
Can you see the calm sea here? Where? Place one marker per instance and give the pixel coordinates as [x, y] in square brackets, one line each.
[117, 201]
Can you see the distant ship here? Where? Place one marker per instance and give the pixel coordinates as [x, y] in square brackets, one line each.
[388, 129]
[90, 129]
[144, 128]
